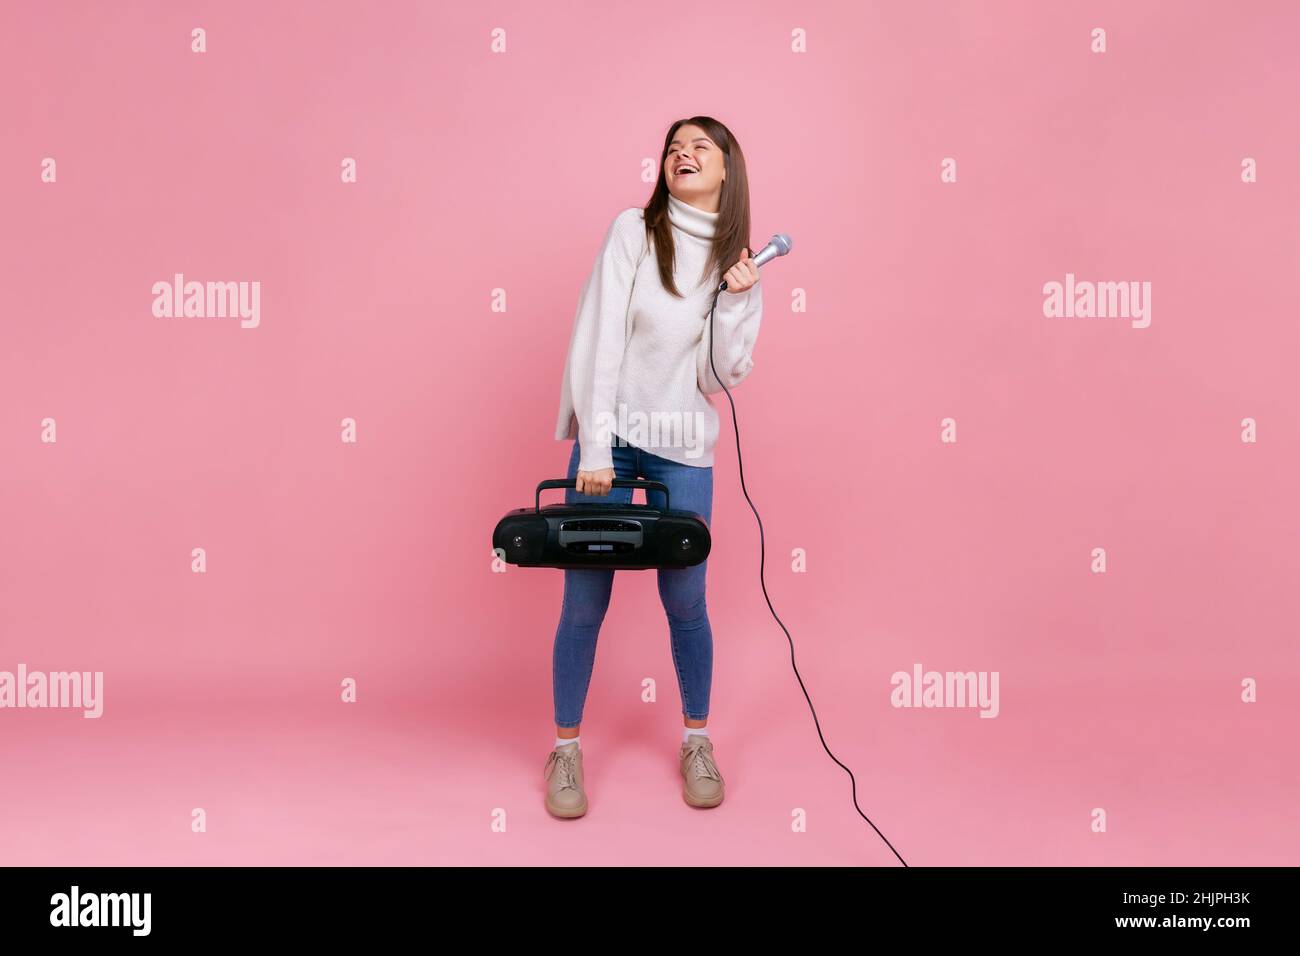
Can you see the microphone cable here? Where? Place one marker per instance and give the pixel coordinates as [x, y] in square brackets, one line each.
[762, 582]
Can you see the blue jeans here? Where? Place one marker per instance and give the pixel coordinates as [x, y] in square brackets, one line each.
[587, 591]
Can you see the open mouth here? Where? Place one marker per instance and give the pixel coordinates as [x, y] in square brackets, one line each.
[686, 170]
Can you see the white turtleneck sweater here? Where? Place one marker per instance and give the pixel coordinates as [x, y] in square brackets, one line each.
[638, 362]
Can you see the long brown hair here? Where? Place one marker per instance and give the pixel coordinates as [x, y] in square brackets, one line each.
[732, 233]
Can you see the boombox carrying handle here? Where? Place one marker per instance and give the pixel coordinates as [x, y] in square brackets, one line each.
[618, 483]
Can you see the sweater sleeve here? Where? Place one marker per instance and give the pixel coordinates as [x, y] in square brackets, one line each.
[600, 336]
[736, 318]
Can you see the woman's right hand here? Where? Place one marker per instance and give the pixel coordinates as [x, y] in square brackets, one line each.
[595, 482]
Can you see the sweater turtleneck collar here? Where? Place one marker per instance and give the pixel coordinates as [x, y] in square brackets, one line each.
[691, 219]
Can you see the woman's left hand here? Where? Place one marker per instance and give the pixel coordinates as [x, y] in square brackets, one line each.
[742, 275]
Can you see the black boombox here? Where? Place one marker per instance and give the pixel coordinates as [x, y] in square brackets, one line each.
[628, 537]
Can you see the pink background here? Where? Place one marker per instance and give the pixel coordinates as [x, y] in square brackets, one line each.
[480, 171]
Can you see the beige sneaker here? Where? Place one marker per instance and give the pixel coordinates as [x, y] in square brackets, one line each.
[703, 785]
[563, 773]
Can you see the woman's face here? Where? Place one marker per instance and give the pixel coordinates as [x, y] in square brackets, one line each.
[694, 168]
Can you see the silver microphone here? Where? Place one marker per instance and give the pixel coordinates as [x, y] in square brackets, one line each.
[778, 245]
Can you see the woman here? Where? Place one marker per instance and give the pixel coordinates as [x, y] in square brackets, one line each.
[633, 398]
